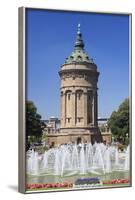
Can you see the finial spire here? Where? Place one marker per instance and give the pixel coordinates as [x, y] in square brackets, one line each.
[78, 54]
[79, 28]
[79, 42]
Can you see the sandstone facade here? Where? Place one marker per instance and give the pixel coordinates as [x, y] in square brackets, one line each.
[79, 99]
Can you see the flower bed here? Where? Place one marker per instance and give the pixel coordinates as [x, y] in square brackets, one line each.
[116, 181]
[48, 186]
[79, 183]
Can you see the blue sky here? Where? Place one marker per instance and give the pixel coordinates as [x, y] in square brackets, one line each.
[50, 39]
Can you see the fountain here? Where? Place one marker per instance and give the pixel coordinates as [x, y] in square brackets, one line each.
[116, 157]
[127, 162]
[83, 158]
[33, 163]
[107, 158]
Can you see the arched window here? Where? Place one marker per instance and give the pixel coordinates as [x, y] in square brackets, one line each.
[79, 58]
[68, 120]
[79, 94]
[79, 119]
[68, 94]
[71, 57]
[90, 94]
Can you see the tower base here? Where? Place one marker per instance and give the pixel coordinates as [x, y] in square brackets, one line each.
[75, 135]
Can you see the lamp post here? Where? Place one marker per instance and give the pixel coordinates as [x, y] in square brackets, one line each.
[112, 139]
[127, 138]
[29, 138]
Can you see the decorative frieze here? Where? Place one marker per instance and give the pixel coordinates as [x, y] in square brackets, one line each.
[72, 75]
[90, 79]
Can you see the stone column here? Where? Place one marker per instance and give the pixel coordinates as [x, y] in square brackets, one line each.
[94, 108]
[63, 109]
[73, 108]
[85, 114]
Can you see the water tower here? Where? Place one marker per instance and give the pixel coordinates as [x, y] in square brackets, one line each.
[79, 100]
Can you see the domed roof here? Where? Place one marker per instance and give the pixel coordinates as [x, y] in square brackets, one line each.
[78, 54]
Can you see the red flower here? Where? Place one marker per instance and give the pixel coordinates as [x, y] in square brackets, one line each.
[116, 181]
[48, 185]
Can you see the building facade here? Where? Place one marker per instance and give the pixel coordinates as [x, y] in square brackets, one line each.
[52, 125]
[53, 131]
[105, 130]
[79, 99]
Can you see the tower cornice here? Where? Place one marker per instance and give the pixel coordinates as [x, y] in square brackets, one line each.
[79, 71]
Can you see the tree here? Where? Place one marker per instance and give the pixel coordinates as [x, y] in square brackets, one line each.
[119, 122]
[34, 124]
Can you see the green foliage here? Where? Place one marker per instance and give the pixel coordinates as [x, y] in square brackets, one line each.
[34, 125]
[119, 122]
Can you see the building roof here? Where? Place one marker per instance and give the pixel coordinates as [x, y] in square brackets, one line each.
[78, 54]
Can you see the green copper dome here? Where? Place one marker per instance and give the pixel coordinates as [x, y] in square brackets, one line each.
[78, 54]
